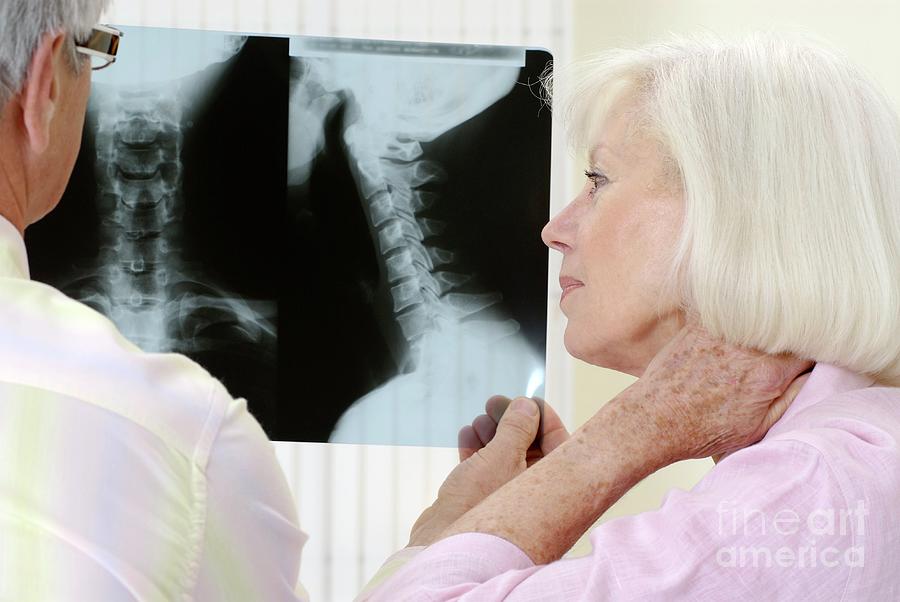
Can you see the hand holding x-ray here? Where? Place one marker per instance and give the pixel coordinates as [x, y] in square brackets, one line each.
[551, 430]
[497, 447]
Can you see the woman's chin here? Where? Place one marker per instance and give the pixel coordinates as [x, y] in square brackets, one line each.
[583, 347]
[602, 353]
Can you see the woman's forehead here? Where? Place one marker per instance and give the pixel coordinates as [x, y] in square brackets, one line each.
[616, 143]
[616, 132]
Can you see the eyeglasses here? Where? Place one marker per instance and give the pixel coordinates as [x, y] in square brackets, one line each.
[101, 46]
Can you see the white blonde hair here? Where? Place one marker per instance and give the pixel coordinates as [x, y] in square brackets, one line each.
[788, 158]
[24, 22]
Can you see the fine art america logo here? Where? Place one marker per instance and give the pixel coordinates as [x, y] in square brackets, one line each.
[824, 537]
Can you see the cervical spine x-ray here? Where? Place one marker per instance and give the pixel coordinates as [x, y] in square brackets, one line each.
[345, 232]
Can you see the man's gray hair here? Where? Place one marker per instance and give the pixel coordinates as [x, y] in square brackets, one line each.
[24, 22]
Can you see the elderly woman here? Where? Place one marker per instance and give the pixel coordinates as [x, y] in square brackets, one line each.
[740, 223]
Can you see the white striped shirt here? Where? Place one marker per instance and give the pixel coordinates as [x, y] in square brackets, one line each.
[126, 475]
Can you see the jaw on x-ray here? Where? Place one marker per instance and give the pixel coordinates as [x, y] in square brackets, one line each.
[345, 232]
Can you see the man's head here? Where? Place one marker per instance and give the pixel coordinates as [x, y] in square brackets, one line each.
[44, 87]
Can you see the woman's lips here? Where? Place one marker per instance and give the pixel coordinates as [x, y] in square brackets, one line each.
[568, 285]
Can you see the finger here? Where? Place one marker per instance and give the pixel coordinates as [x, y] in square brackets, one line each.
[798, 368]
[517, 428]
[536, 444]
[485, 428]
[793, 366]
[496, 405]
[467, 442]
[553, 431]
[778, 371]
[783, 402]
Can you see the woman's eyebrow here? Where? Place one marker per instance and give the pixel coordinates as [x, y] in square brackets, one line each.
[594, 156]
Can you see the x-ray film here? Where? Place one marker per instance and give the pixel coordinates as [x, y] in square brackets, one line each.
[345, 232]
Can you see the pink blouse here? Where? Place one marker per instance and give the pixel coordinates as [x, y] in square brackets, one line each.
[812, 512]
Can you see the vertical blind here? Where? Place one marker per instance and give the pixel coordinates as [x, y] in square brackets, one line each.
[358, 502]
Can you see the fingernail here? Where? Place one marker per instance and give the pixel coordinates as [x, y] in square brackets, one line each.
[525, 406]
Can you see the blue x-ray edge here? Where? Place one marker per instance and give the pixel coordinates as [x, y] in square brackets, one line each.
[433, 53]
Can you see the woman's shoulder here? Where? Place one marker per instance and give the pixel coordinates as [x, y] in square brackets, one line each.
[868, 417]
[857, 435]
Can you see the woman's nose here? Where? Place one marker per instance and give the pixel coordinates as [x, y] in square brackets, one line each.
[553, 235]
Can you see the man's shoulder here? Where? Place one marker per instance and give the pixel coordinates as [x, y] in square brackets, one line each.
[55, 343]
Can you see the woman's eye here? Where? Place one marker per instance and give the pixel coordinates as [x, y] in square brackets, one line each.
[596, 179]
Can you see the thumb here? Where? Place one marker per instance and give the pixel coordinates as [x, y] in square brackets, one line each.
[517, 428]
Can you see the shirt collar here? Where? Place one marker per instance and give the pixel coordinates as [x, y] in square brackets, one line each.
[824, 381]
[13, 257]
[829, 379]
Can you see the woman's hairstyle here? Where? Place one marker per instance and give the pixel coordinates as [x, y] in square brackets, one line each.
[788, 158]
[24, 22]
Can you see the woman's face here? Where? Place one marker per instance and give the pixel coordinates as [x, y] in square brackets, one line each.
[616, 238]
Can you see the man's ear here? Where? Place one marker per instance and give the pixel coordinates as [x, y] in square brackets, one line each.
[40, 94]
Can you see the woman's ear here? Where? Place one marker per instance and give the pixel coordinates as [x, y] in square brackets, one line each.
[40, 94]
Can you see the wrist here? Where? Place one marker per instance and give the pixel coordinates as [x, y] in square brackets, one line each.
[435, 519]
[569, 489]
[627, 429]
